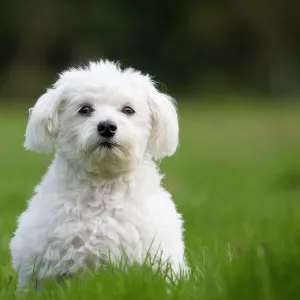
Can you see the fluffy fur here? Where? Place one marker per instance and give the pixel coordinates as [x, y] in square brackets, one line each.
[95, 202]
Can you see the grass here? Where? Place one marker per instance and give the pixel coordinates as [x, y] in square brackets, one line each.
[235, 179]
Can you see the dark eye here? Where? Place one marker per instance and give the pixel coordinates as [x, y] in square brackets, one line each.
[128, 111]
[85, 110]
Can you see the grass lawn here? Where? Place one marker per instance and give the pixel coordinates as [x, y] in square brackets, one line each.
[236, 180]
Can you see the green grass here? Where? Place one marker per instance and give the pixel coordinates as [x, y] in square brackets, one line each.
[235, 178]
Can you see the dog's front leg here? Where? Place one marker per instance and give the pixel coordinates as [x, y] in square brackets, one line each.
[27, 279]
[38, 284]
[24, 279]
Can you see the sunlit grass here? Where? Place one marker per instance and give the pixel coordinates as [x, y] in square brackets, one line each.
[235, 178]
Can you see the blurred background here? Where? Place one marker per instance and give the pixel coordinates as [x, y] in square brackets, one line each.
[193, 47]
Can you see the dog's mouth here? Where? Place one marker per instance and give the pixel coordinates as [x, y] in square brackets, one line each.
[107, 145]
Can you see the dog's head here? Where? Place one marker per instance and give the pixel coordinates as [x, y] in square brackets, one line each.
[104, 119]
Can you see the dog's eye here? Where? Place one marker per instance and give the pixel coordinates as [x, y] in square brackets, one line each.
[128, 111]
[85, 110]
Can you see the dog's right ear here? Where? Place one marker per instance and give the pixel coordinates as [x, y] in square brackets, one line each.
[42, 127]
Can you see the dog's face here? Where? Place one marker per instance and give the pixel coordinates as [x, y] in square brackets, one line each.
[103, 119]
[104, 127]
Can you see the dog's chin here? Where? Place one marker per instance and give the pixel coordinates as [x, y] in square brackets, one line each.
[109, 158]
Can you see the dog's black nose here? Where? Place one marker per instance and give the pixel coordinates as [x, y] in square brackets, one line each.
[107, 128]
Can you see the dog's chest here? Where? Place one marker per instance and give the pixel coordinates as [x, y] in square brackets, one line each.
[106, 218]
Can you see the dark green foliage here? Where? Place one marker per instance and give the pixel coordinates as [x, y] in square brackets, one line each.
[199, 45]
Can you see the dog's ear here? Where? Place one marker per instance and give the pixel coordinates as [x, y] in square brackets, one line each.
[42, 127]
[164, 134]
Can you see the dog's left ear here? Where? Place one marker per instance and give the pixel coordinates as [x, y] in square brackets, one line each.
[164, 135]
[42, 127]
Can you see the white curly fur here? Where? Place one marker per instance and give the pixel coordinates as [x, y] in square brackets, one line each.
[96, 202]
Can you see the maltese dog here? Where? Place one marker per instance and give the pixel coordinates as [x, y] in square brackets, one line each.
[102, 194]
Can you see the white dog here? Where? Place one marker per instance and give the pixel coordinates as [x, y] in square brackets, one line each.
[102, 194]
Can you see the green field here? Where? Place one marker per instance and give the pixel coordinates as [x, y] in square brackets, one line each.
[236, 180]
